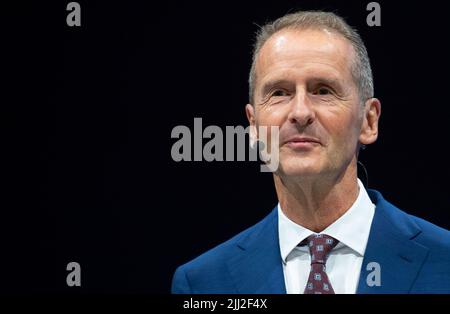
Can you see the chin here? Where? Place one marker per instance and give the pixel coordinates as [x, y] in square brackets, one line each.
[298, 168]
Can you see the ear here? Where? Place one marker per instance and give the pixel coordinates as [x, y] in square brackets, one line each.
[369, 128]
[250, 112]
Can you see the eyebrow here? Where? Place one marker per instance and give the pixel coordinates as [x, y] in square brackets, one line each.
[272, 83]
[331, 81]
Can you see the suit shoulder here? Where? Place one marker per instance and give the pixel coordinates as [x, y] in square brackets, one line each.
[432, 235]
[209, 272]
[217, 255]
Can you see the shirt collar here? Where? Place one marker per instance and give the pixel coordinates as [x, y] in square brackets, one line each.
[351, 229]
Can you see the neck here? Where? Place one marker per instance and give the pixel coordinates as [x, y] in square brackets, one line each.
[316, 202]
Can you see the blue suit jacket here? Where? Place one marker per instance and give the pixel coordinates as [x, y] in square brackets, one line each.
[413, 254]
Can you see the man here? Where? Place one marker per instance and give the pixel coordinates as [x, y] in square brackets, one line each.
[311, 77]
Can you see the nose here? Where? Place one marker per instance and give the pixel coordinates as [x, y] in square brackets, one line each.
[301, 111]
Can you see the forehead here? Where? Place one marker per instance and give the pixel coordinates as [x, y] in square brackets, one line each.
[291, 52]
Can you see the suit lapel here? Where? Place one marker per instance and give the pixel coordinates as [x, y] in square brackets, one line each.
[257, 266]
[391, 252]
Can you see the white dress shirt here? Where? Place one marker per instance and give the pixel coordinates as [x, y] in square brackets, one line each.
[344, 262]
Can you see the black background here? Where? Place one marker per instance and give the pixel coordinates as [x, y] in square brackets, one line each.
[87, 114]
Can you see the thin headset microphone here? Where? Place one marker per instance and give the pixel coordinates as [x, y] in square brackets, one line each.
[366, 175]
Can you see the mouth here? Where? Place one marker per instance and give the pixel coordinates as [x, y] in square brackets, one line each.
[302, 143]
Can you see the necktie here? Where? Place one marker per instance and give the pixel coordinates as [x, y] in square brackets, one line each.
[320, 246]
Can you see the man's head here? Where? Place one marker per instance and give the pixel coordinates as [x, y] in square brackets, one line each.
[311, 77]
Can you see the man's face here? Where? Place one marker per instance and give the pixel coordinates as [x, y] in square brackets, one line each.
[305, 87]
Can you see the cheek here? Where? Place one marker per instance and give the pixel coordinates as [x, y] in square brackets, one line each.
[343, 132]
[267, 118]
[271, 116]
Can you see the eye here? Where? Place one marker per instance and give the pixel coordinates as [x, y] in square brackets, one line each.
[322, 91]
[279, 93]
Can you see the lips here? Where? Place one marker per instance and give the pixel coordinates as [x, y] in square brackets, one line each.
[302, 139]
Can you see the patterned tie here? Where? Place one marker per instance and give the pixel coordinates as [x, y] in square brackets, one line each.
[319, 247]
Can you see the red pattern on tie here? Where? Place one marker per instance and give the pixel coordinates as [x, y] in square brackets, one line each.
[319, 246]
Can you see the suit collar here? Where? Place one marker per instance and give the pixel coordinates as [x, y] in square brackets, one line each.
[391, 248]
[257, 267]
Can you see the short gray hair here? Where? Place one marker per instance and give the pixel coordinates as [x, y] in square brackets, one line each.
[361, 71]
